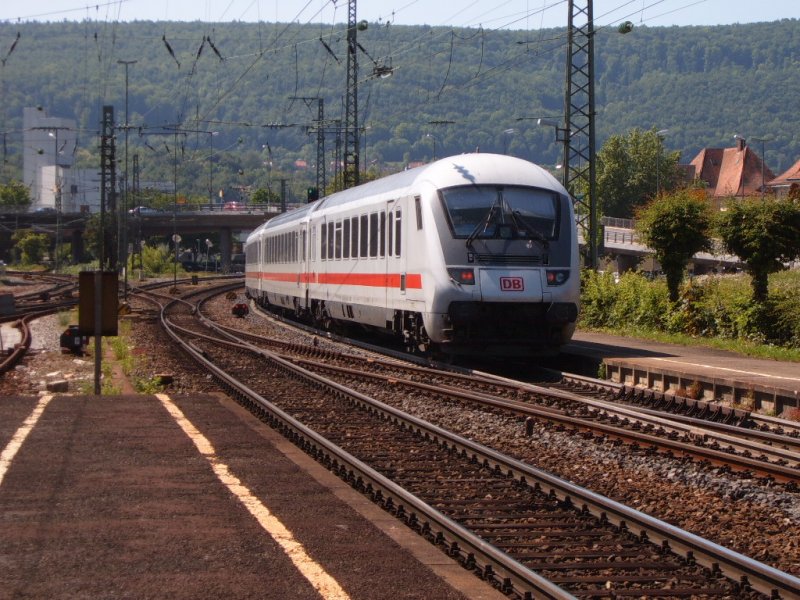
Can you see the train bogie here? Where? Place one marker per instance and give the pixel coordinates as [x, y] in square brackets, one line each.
[471, 254]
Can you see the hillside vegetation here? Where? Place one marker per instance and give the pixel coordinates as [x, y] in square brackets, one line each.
[455, 90]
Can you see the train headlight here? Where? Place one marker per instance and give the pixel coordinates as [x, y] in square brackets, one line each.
[462, 276]
[557, 276]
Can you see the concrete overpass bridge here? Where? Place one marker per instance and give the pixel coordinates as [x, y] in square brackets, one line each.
[69, 227]
[622, 247]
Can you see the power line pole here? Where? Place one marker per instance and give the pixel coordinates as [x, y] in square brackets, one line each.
[351, 150]
[123, 217]
[579, 167]
[320, 182]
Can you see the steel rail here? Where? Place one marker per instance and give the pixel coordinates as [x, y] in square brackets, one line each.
[741, 462]
[21, 348]
[744, 569]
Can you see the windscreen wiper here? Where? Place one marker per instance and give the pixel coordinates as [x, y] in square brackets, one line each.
[534, 233]
[482, 225]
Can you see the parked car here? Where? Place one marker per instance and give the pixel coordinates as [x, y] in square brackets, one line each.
[233, 206]
[143, 210]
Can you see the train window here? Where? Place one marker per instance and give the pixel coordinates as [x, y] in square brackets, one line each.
[390, 236]
[323, 242]
[303, 242]
[346, 238]
[508, 212]
[330, 241]
[337, 247]
[295, 237]
[354, 239]
[382, 234]
[418, 209]
[373, 235]
[397, 229]
[364, 239]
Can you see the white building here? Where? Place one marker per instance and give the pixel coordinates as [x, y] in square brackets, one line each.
[49, 148]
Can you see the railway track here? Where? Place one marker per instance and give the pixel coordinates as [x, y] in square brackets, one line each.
[57, 296]
[765, 454]
[529, 533]
[59, 293]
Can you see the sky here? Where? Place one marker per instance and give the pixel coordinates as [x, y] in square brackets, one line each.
[494, 14]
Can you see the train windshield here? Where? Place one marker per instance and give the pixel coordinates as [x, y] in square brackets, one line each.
[501, 212]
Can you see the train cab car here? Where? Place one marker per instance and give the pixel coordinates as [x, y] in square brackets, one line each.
[472, 254]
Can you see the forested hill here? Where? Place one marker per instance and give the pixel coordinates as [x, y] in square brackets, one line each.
[456, 89]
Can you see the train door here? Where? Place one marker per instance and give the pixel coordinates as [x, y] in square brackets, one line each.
[304, 263]
[386, 250]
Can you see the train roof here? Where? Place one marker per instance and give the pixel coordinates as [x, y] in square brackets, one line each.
[462, 169]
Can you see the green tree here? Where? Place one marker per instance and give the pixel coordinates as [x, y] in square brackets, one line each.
[675, 226]
[631, 169]
[264, 196]
[14, 194]
[764, 234]
[158, 260]
[31, 246]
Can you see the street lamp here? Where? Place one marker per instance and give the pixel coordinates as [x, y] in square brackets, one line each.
[660, 134]
[433, 137]
[508, 133]
[56, 196]
[740, 139]
[176, 238]
[208, 249]
[763, 161]
[562, 135]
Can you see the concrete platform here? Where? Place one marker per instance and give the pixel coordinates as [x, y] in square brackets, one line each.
[714, 375]
[191, 497]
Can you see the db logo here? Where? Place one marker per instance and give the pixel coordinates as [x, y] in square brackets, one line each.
[512, 284]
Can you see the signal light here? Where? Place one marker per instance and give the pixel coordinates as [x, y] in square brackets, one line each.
[312, 194]
[462, 276]
[557, 277]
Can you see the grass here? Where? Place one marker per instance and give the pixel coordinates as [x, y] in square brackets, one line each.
[68, 317]
[120, 347]
[739, 346]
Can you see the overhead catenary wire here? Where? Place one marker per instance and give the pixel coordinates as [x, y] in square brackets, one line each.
[106, 45]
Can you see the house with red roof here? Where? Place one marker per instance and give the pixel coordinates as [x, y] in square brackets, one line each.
[783, 182]
[727, 172]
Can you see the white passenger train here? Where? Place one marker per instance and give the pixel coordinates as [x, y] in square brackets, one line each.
[471, 254]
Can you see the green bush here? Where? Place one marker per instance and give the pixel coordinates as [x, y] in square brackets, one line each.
[707, 307]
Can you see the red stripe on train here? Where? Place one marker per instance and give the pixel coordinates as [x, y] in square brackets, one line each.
[385, 280]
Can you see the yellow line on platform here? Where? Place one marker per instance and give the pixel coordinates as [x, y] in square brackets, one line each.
[326, 585]
[11, 449]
